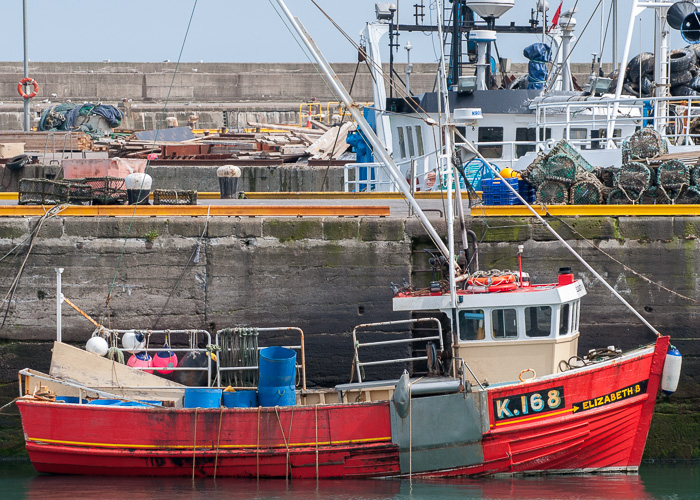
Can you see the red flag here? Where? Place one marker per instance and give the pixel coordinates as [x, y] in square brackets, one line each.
[555, 19]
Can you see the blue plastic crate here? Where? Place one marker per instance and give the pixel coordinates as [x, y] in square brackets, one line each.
[527, 191]
[495, 192]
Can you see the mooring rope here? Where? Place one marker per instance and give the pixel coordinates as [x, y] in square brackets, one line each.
[316, 429]
[194, 444]
[286, 443]
[218, 440]
[257, 450]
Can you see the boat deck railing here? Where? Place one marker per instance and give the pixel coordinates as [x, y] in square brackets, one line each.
[192, 339]
[299, 366]
[357, 344]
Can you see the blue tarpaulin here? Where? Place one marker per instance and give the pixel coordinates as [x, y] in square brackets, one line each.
[539, 55]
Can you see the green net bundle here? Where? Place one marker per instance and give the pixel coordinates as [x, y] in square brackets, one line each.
[695, 175]
[588, 191]
[606, 175]
[633, 176]
[689, 196]
[564, 148]
[621, 197]
[561, 168]
[534, 174]
[552, 193]
[673, 174]
[654, 196]
[644, 143]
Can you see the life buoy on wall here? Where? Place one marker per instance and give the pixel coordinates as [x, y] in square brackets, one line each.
[27, 81]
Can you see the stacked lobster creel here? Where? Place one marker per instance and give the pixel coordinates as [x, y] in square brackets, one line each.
[559, 175]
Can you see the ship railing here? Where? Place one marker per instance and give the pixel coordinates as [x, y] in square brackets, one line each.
[371, 177]
[508, 154]
[300, 366]
[633, 112]
[357, 344]
[192, 338]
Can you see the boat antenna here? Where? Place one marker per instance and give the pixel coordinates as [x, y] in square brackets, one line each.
[354, 109]
[472, 149]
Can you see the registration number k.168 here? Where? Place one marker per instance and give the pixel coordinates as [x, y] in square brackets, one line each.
[529, 403]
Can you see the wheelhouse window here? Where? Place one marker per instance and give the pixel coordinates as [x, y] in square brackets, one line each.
[575, 318]
[529, 135]
[402, 143]
[409, 138]
[419, 140]
[564, 314]
[491, 134]
[538, 321]
[504, 323]
[471, 325]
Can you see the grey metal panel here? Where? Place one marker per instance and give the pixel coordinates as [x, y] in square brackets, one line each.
[176, 134]
[446, 432]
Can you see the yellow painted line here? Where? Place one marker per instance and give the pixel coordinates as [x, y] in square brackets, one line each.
[200, 211]
[537, 417]
[203, 447]
[331, 195]
[8, 196]
[587, 210]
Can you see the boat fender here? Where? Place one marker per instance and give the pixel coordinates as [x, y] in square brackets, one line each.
[401, 398]
[133, 342]
[672, 371]
[97, 345]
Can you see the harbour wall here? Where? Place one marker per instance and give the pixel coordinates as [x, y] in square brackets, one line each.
[326, 275]
[221, 94]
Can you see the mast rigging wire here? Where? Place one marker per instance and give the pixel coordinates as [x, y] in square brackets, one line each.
[148, 163]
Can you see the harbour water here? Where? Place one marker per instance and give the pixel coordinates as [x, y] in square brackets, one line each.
[18, 481]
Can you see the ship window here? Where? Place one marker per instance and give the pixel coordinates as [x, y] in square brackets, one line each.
[471, 325]
[528, 135]
[402, 143]
[409, 138]
[491, 134]
[504, 323]
[538, 321]
[419, 140]
[578, 134]
[564, 319]
[574, 318]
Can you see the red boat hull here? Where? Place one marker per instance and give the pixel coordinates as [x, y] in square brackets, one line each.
[592, 419]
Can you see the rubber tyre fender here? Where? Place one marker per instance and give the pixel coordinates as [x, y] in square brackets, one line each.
[647, 85]
[682, 78]
[682, 60]
[695, 83]
[645, 61]
[683, 91]
[17, 162]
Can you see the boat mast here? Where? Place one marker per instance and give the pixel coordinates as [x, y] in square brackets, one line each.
[354, 109]
[445, 156]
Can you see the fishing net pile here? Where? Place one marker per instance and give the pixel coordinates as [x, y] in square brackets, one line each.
[74, 117]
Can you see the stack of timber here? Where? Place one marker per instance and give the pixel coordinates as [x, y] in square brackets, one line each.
[287, 143]
[49, 142]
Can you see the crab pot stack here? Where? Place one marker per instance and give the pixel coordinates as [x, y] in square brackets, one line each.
[554, 174]
[684, 73]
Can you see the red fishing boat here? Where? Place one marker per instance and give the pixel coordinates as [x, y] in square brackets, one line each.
[504, 391]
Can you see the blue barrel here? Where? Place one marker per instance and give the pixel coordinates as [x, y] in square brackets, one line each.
[277, 367]
[241, 399]
[277, 396]
[202, 398]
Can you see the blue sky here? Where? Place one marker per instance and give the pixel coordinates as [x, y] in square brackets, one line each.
[245, 30]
